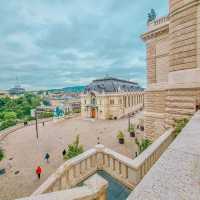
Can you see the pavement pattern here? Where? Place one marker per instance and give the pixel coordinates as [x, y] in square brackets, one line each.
[24, 152]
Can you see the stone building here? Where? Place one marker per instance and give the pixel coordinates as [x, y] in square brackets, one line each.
[111, 98]
[173, 60]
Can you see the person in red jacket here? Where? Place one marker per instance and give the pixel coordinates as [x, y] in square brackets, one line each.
[38, 171]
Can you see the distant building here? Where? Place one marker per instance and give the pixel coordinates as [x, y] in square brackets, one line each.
[3, 93]
[111, 98]
[67, 103]
[17, 90]
[110, 84]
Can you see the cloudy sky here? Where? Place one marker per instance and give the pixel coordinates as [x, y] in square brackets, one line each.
[58, 43]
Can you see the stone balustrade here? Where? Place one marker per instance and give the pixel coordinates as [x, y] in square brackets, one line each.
[93, 189]
[176, 175]
[127, 171]
[158, 23]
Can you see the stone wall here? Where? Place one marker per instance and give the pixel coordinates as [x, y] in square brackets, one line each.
[183, 34]
[176, 175]
[151, 62]
[173, 92]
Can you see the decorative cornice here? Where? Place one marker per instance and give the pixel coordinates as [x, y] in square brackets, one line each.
[155, 33]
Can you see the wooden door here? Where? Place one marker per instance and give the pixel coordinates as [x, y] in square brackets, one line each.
[93, 113]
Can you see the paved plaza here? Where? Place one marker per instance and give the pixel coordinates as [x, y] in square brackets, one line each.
[24, 153]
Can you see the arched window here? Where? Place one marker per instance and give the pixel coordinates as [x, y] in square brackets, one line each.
[93, 101]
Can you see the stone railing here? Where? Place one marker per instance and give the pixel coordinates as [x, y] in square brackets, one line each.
[93, 189]
[71, 173]
[162, 21]
[176, 175]
[125, 170]
[12, 129]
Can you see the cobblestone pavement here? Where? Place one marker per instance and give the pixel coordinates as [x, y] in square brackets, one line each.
[24, 152]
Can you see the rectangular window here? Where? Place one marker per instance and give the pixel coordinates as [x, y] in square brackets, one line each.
[112, 101]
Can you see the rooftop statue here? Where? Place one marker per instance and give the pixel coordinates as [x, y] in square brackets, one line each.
[151, 15]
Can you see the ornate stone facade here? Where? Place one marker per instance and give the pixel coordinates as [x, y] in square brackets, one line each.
[173, 70]
[111, 105]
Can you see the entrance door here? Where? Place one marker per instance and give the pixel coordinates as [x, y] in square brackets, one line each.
[93, 113]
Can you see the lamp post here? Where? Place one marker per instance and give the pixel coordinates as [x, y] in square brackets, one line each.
[36, 124]
[129, 121]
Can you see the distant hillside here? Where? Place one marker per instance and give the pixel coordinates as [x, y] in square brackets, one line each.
[74, 89]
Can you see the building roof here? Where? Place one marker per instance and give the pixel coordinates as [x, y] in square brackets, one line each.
[17, 90]
[110, 84]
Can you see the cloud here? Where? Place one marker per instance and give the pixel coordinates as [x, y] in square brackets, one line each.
[50, 44]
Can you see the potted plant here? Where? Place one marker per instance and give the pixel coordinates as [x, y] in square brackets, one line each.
[120, 137]
[131, 130]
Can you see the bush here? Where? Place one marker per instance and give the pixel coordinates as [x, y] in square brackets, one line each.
[1, 154]
[7, 123]
[179, 125]
[9, 116]
[144, 144]
[46, 115]
[74, 149]
[120, 135]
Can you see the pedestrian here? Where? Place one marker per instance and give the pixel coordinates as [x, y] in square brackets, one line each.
[46, 157]
[43, 123]
[64, 153]
[38, 171]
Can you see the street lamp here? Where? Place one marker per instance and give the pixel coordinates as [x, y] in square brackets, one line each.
[129, 121]
[36, 124]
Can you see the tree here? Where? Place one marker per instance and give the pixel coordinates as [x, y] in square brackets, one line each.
[74, 149]
[10, 116]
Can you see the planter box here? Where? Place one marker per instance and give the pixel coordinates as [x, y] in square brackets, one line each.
[132, 134]
[121, 141]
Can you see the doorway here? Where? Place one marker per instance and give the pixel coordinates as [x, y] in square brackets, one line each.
[93, 113]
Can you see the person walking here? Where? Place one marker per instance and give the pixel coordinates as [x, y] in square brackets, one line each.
[38, 171]
[47, 156]
[64, 153]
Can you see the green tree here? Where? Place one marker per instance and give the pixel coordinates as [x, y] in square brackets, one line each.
[10, 116]
[74, 149]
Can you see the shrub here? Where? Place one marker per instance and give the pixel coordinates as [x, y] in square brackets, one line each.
[1, 154]
[46, 115]
[74, 149]
[143, 144]
[179, 125]
[10, 116]
[7, 123]
[120, 135]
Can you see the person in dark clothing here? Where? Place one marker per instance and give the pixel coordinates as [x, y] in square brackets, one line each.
[43, 123]
[38, 171]
[64, 153]
[47, 156]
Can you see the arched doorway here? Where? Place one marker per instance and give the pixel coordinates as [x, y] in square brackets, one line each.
[93, 113]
